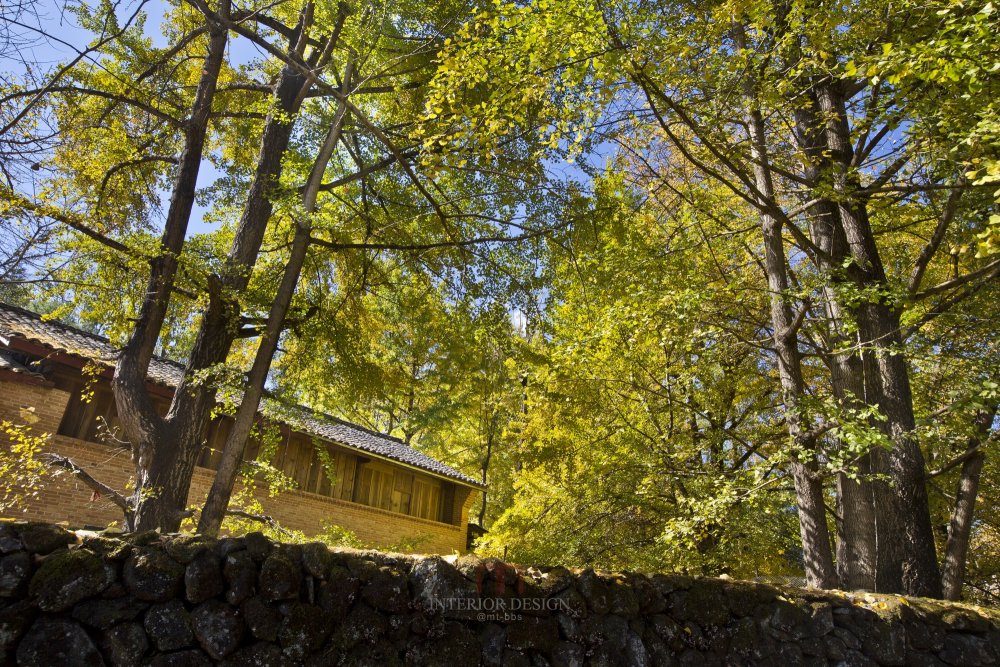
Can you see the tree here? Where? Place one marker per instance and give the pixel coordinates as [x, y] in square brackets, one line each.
[768, 103]
[650, 437]
[332, 108]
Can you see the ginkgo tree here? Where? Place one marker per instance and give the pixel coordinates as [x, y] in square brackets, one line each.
[317, 145]
[833, 149]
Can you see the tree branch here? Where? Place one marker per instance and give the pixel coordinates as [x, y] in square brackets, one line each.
[361, 173]
[335, 245]
[58, 461]
[67, 67]
[67, 218]
[958, 460]
[989, 271]
[942, 307]
[114, 97]
[947, 215]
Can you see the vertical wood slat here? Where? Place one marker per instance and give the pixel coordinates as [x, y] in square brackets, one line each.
[350, 473]
[324, 487]
[307, 454]
[385, 502]
[88, 413]
[301, 463]
[447, 509]
[253, 446]
[361, 484]
[340, 462]
[312, 468]
[288, 457]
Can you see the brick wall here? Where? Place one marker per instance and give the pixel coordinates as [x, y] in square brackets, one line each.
[65, 499]
[18, 398]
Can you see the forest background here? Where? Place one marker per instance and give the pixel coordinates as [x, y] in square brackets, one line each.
[706, 287]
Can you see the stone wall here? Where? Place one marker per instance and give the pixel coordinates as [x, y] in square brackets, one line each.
[91, 599]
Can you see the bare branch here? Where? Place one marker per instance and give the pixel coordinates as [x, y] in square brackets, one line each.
[173, 51]
[94, 92]
[67, 67]
[362, 173]
[535, 233]
[928, 251]
[991, 270]
[59, 461]
[67, 218]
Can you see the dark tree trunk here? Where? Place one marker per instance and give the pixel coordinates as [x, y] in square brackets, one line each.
[813, 529]
[887, 382]
[485, 469]
[160, 488]
[217, 503]
[857, 495]
[166, 449]
[219, 494]
[960, 526]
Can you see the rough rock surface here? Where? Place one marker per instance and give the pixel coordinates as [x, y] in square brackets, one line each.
[169, 626]
[186, 601]
[57, 641]
[125, 644]
[69, 577]
[150, 574]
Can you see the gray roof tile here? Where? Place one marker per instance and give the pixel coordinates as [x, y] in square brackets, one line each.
[9, 363]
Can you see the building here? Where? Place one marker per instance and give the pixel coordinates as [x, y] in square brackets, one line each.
[381, 488]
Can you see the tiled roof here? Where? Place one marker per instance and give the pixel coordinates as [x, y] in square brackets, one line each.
[64, 338]
[8, 363]
[29, 326]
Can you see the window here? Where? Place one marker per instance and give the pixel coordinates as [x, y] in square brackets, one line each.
[374, 485]
[426, 502]
[84, 419]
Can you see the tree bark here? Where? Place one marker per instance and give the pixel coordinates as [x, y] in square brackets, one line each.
[155, 500]
[858, 495]
[960, 526]
[485, 470]
[217, 502]
[215, 508]
[166, 449]
[887, 382]
[813, 529]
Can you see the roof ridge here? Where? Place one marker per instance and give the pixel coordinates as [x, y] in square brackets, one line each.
[102, 339]
[39, 316]
[342, 421]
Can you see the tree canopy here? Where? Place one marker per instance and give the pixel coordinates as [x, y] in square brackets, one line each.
[699, 286]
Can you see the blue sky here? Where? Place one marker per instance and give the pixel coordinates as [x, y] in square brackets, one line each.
[58, 39]
[55, 37]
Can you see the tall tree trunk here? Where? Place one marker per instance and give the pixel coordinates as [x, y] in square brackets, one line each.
[887, 381]
[219, 494]
[485, 470]
[217, 503]
[857, 495]
[960, 526]
[157, 486]
[813, 529]
[167, 458]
